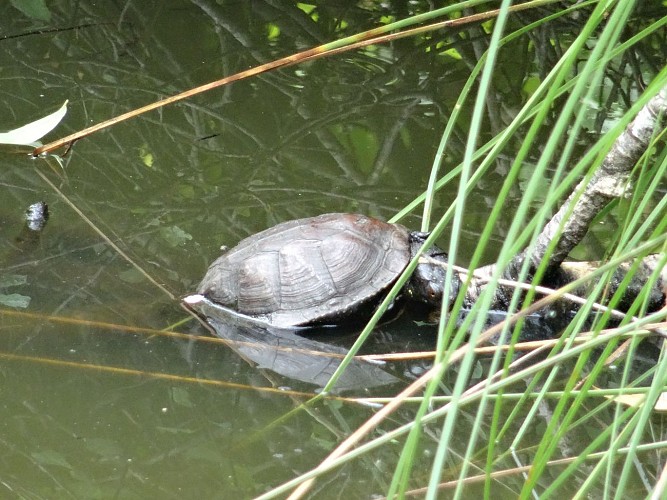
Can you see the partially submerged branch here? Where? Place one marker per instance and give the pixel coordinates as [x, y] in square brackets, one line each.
[646, 268]
[642, 274]
[610, 181]
[650, 271]
[570, 224]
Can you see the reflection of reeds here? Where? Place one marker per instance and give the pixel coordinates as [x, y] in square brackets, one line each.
[117, 370]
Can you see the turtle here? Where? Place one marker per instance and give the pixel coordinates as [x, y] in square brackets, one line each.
[322, 270]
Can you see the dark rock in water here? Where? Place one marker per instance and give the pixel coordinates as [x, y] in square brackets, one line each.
[36, 216]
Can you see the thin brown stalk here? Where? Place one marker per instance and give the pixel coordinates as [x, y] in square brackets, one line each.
[371, 37]
[116, 370]
[419, 492]
[176, 335]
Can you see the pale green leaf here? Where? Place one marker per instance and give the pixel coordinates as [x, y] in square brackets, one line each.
[15, 300]
[13, 280]
[28, 134]
[174, 235]
[34, 9]
[51, 457]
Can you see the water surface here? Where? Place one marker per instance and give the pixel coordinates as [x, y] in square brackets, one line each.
[96, 403]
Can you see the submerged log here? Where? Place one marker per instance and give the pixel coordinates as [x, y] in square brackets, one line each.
[648, 276]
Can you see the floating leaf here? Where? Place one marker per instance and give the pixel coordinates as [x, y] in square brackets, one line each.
[174, 235]
[181, 397]
[15, 300]
[146, 156]
[28, 134]
[50, 457]
[34, 9]
[131, 276]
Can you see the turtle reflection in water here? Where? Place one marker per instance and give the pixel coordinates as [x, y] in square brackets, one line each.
[321, 270]
[285, 352]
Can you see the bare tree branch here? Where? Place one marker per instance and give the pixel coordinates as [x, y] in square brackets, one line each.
[610, 181]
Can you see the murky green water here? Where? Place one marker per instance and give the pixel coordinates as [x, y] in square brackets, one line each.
[95, 403]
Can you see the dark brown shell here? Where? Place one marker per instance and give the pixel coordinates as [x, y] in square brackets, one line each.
[314, 270]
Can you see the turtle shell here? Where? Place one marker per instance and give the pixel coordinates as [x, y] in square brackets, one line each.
[317, 270]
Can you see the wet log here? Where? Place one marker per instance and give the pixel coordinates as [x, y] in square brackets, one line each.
[642, 280]
[648, 275]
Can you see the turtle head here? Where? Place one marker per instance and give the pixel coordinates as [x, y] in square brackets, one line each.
[427, 283]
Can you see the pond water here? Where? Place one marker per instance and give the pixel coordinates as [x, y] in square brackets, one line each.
[97, 400]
